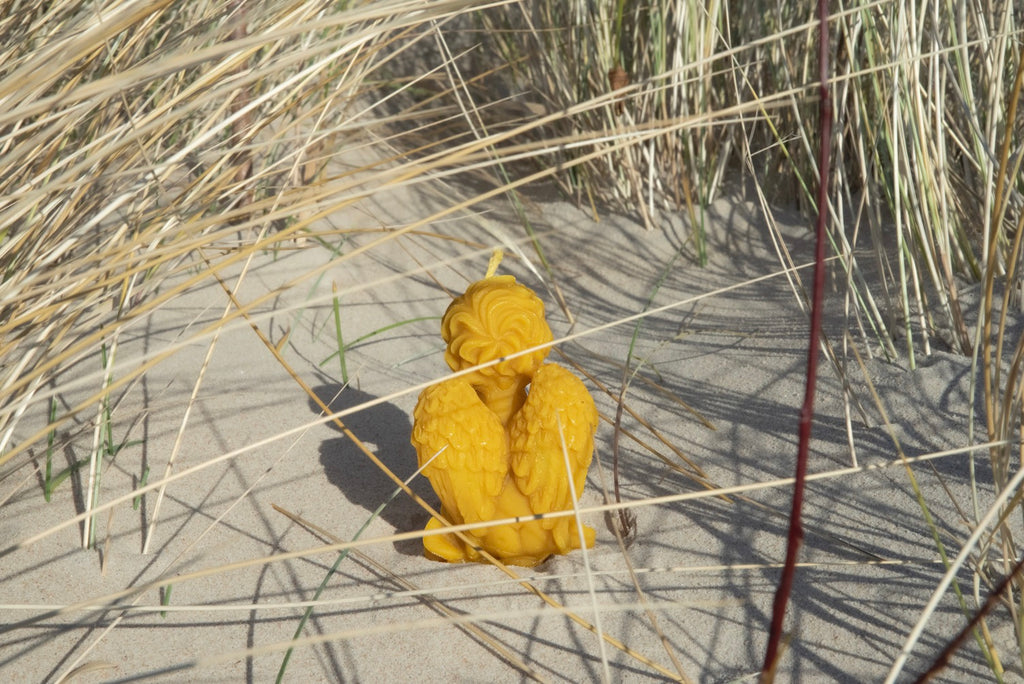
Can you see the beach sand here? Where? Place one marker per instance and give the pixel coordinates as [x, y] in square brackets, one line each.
[696, 585]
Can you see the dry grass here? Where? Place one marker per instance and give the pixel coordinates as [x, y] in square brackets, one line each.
[152, 151]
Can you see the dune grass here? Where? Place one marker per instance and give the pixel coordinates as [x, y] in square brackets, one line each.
[150, 152]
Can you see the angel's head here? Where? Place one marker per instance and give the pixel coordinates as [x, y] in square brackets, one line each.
[494, 318]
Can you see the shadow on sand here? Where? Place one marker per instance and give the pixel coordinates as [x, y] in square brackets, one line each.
[385, 430]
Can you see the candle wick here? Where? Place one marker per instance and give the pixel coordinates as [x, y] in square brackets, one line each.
[492, 266]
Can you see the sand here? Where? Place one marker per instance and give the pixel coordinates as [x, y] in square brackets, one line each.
[707, 566]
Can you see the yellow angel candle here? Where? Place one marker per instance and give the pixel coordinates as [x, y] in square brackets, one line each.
[500, 437]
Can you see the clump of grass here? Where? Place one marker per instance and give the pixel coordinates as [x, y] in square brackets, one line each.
[921, 98]
[122, 162]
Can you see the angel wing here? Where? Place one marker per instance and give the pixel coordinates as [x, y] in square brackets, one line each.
[468, 446]
[558, 409]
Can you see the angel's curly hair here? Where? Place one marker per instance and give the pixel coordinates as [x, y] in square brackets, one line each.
[496, 317]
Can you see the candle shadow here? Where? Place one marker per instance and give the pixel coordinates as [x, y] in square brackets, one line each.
[385, 430]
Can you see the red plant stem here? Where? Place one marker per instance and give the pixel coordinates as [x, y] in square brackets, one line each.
[796, 532]
[993, 598]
